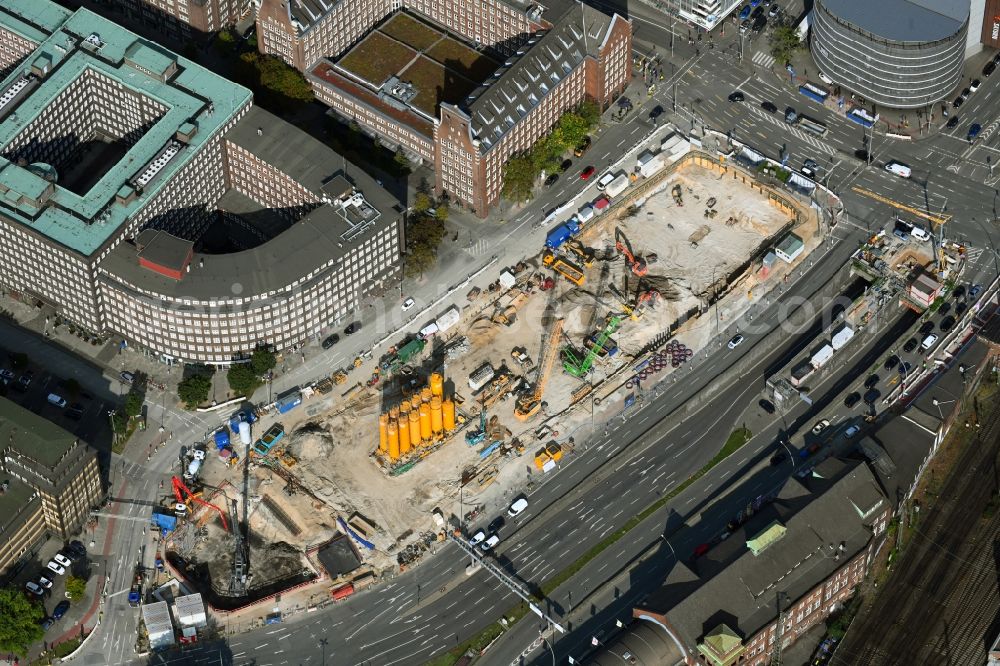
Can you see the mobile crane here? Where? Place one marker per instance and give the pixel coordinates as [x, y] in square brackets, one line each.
[529, 403]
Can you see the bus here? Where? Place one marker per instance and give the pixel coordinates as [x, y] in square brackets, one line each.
[814, 92]
[861, 116]
[812, 126]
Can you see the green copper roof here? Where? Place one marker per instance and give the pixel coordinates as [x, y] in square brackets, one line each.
[33, 19]
[721, 645]
[771, 534]
[193, 96]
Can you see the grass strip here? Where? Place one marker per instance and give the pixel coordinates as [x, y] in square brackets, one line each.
[734, 443]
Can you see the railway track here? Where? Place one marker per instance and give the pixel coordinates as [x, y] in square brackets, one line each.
[942, 597]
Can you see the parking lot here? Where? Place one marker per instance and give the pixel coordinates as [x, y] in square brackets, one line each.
[43, 579]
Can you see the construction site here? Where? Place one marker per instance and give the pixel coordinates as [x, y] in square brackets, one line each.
[359, 473]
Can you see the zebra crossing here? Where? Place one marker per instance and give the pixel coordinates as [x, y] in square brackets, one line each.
[813, 141]
[762, 59]
[478, 248]
[973, 254]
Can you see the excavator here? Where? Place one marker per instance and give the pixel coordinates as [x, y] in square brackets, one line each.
[530, 402]
[636, 264]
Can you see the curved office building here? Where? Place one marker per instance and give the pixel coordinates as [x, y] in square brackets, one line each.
[901, 54]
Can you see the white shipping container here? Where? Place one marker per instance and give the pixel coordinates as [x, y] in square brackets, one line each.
[651, 166]
[481, 376]
[617, 186]
[822, 355]
[842, 336]
[585, 214]
[448, 319]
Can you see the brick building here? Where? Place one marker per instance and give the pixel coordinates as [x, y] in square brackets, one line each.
[504, 80]
[807, 549]
[106, 138]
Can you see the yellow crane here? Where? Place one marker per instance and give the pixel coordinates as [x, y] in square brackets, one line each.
[930, 217]
[529, 403]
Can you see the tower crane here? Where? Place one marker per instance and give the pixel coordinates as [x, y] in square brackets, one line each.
[528, 404]
[930, 217]
[636, 264]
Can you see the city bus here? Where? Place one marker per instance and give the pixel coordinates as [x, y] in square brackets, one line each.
[812, 126]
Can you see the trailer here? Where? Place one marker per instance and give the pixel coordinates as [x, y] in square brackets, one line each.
[649, 163]
[617, 186]
[288, 402]
[273, 435]
[821, 356]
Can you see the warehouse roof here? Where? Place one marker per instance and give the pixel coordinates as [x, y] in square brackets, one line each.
[825, 522]
[33, 436]
[903, 20]
[519, 86]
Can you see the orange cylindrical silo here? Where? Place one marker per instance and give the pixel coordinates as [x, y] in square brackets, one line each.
[425, 394]
[437, 384]
[404, 434]
[393, 433]
[425, 422]
[448, 414]
[415, 402]
[394, 412]
[415, 427]
[383, 433]
[436, 425]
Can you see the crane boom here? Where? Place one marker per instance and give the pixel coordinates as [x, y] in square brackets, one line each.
[936, 219]
[571, 363]
[528, 405]
[181, 490]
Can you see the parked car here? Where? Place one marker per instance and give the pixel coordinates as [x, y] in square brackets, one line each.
[891, 362]
[871, 381]
[928, 342]
[974, 86]
[407, 304]
[566, 164]
[910, 345]
[127, 377]
[517, 507]
[6, 375]
[852, 431]
[766, 405]
[975, 290]
[34, 588]
[989, 68]
[736, 341]
[770, 107]
[46, 623]
[56, 568]
[77, 548]
[75, 411]
[583, 147]
[820, 426]
[947, 323]
[330, 341]
[353, 328]
[45, 582]
[60, 609]
[477, 538]
[958, 102]
[852, 399]
[736, 96]
[496, 524]
[551, 180]
[779, 457]
[871, 395]
[587, 173]
[490, 543]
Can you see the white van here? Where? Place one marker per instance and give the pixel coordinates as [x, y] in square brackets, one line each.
[899, 169]
[920, 234]
[825, 79]
[517, 507]
[928, 342]
[605, 180]
[57, 400]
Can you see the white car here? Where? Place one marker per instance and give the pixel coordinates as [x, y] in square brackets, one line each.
[852, 431]
[45, 582]
[825, 79]
[736, 341]
[477, 538]
[408, 303]
[62, 560]
[198, 454]
[33, 587]
[489, 543]
[820, 426]
[928, 342]
[55, 568]
[518, 507]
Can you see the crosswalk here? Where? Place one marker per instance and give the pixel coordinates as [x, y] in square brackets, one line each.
[478, 248]
[813, 141]
[762, 59]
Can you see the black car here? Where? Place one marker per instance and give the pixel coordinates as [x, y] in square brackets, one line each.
[871, 395]
[779, 457]
[76, 548]
[353, 328]
[757, 12]
[551, 180]
[767, 406]
[891, 362]
[736, 96]
[655, 113]
[852, 399]
[60, 609]
[959, 292]
[769, 107]
[966, 92]
[952, 122]
[759, 23]
[496, 524]
[863, 155]
[910, 345]
[904, 369]
[872, 381]
[566, 164]
[960, 309]
[989, 68]
[958, 102]
[331, 341]
[75, 411]
[24, 381]
[945, 308]
[926, 327]
[947, 323]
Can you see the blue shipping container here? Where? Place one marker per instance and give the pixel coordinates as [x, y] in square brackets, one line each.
[221, 438]
[812, 94]
[289, 402]
[558, 236]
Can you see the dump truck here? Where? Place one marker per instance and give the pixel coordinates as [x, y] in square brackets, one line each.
[569, 271]
[561, 234]
[273, 435]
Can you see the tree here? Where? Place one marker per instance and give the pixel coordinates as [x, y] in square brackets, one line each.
[133, 404]
[518, 178]
[419, 259]
[20, 621]
[193, 390]
[441, 213]
[76, 587]
[421, 203]
[401, 160]
[279, 76]
[573, 128]
[262, 361]
[590, 112]
[119, 421]
[784, 42]
[242, 379]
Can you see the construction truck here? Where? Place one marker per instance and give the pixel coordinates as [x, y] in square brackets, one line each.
[477, 436]
[585, 254]
[135, 592]
[568, 270]
[548, 456]
[273, 435]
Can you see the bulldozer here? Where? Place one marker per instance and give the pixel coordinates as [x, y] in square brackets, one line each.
[339, 377]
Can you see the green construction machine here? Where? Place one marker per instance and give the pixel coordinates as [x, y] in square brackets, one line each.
[572, 363]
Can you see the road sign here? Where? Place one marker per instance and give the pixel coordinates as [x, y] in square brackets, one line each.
[536, 610]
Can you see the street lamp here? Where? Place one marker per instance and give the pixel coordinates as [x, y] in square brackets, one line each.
[937, 403]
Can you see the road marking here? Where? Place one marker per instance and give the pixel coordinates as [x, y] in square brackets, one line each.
[763, 59]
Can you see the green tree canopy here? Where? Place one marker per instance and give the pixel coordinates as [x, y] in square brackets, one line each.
[19, 621]
[518, 178]
[193, 390]
[573, 128]
[119, 421]
[263, 361]
[133, 404]
[784, 42]
[421, 203]
[242, 379]
[419, 260]
[76, 587]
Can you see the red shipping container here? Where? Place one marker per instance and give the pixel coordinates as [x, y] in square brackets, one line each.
[342, 592]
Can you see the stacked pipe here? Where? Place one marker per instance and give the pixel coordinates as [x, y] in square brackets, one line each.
[420, 420]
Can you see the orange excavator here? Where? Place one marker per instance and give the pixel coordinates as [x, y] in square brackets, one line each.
[181, 490]
[636, 264]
